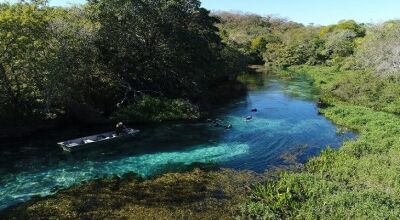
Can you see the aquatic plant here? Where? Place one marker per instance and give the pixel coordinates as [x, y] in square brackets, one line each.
[198, 194]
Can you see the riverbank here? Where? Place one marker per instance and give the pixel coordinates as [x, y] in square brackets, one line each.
[359, 181]
[146, 112]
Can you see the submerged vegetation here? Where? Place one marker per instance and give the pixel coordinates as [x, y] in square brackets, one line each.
[193, 195]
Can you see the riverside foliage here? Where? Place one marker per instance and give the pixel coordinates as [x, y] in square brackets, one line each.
[107, 56]
[359, 181]
[355, 67]
[347, 45]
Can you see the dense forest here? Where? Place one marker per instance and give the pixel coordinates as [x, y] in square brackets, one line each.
[135, 61]
[347, 45]
[157, 60]
[370, 51]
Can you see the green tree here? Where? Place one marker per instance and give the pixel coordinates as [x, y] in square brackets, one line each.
[158, 47]
[78, 77]
[259, 44]
[339, 44]
[297, 46]
[23, 54]
[351, 25]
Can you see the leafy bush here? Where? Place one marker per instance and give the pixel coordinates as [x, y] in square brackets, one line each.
[357, 87]
[259, 44]
[153, 109]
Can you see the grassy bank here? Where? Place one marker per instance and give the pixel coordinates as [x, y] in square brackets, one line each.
[359, 181]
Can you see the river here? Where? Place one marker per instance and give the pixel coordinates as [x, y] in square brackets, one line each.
[287, 123]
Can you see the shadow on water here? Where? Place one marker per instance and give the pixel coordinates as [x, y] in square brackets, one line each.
[286, 127]
[152, 139]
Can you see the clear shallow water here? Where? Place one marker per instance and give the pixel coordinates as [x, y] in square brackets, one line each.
[287, 119]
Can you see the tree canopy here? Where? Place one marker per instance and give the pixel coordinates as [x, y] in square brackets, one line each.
[106, 55]
[346, 44]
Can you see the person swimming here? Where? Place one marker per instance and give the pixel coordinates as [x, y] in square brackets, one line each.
[248, 118]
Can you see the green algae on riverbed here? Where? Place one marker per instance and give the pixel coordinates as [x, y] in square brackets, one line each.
[193, 195]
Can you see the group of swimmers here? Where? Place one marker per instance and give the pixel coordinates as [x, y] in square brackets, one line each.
[219, 123]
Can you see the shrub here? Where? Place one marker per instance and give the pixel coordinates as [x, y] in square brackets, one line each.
[153, 109]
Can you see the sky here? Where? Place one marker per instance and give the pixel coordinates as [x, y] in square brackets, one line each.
[319, 12]
[314, 11]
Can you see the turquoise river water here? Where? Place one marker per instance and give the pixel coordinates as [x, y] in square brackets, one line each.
[287, 121]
